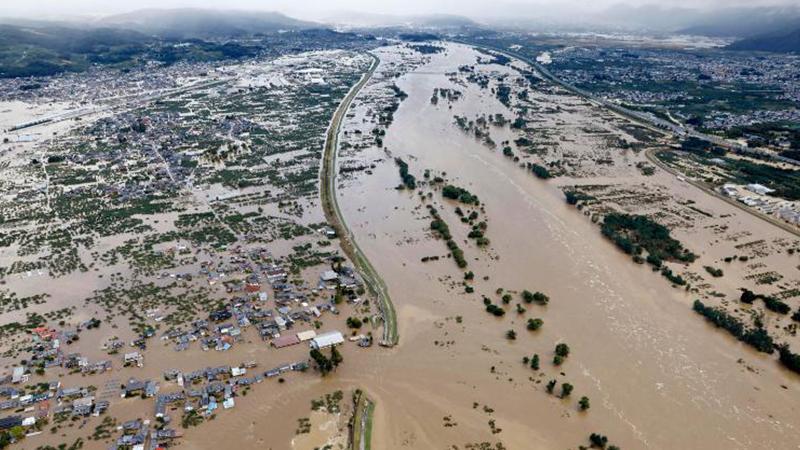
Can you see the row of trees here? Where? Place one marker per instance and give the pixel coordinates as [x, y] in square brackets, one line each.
[538, 297]
[533, 361]
[757, 337]
[667, 273]
[408, 180]
[771, 303]
[573, 197]
[460, 194]
[540, 171]
[493, 309]
[566, 388]
[598, 440]
[440, 227]
[790, 360]
[635, 233]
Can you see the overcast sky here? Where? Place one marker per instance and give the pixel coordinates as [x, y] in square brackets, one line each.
[317, 8]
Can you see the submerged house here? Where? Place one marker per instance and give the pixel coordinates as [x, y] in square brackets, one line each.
[285, 341]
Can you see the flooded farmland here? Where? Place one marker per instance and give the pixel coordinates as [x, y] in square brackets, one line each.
[521, 326]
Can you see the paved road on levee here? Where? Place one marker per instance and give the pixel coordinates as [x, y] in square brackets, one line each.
[334, 216]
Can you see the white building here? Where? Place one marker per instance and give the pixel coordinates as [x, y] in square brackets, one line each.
[759, 189]
[753, 202]
[790, 215]
[729, 190]
[306, 335]
[329, 276]
[133, 358]
[325, 340]
[18, 376]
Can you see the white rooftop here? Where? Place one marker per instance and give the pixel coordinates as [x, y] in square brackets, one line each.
[328, 339]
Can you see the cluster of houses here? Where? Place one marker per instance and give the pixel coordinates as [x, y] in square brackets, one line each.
[48, 398]
[203, 391]
[44, 399]
[757, 197]
[137, 435]
[13, 398]
[789, 214]
[275, 316]
[79, 402]
[716, 69]
[99, 84]
[315, 341]
[208, 389]
[47, 351]
[250, 303]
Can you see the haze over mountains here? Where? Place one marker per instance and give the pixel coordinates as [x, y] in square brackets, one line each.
[204, 23]
[36, 46]
[725, 22]
[362, 19]
[767, 28]
[781, 41]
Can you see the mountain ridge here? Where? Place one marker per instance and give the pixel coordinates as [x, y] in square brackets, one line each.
[185, 23]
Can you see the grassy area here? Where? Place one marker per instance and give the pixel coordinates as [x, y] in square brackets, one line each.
[361, 438]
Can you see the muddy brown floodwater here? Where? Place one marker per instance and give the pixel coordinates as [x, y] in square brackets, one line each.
[657, 375]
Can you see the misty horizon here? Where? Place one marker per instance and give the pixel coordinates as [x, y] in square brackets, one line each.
[311, 10]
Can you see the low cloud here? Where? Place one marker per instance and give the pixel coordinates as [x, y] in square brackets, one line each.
[49, 9]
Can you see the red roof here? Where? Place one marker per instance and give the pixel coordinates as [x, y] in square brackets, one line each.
[44, 332]
[285, 341]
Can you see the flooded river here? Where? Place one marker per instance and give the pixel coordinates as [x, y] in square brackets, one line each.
[657, 375]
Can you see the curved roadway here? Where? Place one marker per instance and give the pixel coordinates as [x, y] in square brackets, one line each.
[334, 216]
[656, 125]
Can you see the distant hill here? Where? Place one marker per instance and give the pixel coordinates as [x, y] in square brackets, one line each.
[44, 50]
[204, 23]
[437, 21]
[443, 21]
[779, 42]
[645, 17]
[40, 48]
[68, 39]
[745, 22]
[718, 22]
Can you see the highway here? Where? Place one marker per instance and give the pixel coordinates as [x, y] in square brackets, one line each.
[665, 128]
[654, 123]
[650, 154]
